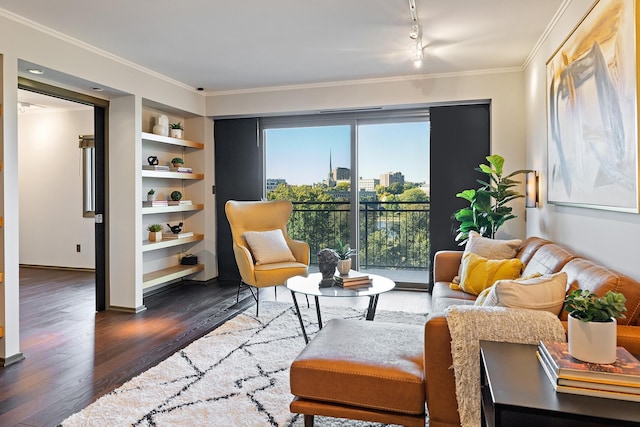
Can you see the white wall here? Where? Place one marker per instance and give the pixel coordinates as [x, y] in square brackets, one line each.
[607, 237]
[50, 175]
[504, 90]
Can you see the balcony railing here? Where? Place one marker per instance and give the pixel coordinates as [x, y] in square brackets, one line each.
[393, 235]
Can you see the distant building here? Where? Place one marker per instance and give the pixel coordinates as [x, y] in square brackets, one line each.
[368, 184]
[341, 174]
[391, 177]
[272, 183]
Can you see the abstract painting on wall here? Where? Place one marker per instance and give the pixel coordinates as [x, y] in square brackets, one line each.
[592, 112]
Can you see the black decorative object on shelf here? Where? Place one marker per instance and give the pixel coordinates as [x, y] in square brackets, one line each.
[152, 160]
[175, 229]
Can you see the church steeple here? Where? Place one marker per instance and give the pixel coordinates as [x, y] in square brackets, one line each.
[330, 181]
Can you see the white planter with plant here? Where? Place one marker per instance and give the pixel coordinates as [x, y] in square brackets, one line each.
[175, 130]
[592, 325]
[151, 195]
[344, 253]
[155, 232]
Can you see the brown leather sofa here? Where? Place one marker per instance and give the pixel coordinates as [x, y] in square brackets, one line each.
[539, 256]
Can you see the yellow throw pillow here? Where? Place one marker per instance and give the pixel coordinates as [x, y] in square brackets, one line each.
[478, 273]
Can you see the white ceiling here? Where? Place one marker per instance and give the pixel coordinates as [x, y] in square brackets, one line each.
[227, 45]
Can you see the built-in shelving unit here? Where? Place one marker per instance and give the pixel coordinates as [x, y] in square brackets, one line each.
[161, 261]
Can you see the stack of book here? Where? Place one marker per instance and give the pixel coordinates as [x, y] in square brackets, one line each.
[155, 167]
[182, 169]
[180, 235]
[354, 278]
[619, 380]
[180, 202]
[155, 204]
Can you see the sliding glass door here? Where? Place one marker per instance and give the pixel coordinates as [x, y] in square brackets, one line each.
[359, 180]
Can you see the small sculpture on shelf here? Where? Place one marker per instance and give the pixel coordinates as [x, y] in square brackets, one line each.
[152, 160]
[176, 196]
[175, 229]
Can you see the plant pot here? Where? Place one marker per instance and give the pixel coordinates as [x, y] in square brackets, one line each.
[155, 236]
[151, 197]
[177, 165]
[593, 342]
[175, 133]
[344, 265]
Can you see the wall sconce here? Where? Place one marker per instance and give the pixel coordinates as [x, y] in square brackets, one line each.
[531, 189]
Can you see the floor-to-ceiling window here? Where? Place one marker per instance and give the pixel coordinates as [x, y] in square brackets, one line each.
[362, 179]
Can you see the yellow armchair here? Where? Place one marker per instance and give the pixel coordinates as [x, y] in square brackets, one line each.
[246, 218]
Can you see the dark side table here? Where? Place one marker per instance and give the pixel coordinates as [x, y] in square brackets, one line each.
[516, 392]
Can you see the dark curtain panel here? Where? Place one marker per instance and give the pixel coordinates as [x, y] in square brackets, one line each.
[238, 165]
[460, 141]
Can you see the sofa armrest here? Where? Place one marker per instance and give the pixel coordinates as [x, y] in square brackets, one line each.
[629, 338]
[438, 373]
[446, 265]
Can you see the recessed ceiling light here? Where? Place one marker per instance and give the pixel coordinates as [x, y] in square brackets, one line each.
[35, 71]
[97, 89]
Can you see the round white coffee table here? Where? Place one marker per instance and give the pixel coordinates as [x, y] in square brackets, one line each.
[310, 285]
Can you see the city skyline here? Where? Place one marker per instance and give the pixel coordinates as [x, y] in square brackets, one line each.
[301, 155]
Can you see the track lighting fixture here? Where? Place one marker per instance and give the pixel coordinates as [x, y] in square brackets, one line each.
[415, 34]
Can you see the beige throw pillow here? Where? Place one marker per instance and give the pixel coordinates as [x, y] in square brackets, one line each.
[545, 293]
[492, 248]
[268, 247]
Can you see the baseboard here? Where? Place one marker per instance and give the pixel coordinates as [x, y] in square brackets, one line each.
[127, 309]
[53, 267]
[6, 361]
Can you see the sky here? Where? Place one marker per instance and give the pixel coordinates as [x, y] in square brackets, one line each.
[301, 155]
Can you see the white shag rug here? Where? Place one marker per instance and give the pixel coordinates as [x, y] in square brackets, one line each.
[237, 375]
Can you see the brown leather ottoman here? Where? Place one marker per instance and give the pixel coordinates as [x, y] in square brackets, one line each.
[369, 371]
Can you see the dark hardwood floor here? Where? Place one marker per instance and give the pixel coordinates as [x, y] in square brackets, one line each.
[74, 355]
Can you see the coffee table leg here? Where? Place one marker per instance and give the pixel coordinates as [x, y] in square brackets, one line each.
[373, 303]
[318, 313]
[295, 303]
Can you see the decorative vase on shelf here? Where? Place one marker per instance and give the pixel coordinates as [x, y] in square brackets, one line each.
[175, 133]
[344, 265]
[593, 342]
[162, 126]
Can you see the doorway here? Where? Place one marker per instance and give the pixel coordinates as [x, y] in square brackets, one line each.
[61, 139]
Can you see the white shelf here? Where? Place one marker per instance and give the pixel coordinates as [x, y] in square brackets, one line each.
[171, 273]
[172, 175]
[172, 141]
[169, 209]
[167, 243]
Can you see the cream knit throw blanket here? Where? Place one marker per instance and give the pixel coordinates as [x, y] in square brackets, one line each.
[470, 324]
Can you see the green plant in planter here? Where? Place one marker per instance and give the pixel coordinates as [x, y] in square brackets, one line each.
[488, 208]
[154, 228]
[177, 161]
[344, 251]
[588, 307]
[176, 126]
[151, 192]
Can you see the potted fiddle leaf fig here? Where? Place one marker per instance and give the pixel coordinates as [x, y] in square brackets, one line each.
[488, 205]
[592, 324]
[344, 253]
